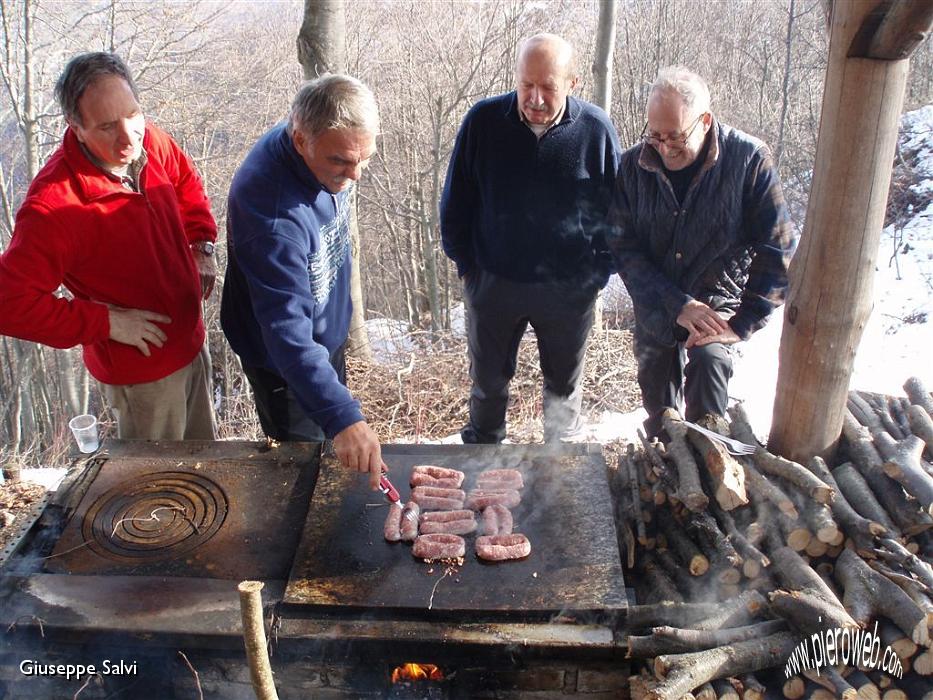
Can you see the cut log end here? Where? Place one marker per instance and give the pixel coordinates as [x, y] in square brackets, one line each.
[794, 688]
[699, 565]
[923, 663]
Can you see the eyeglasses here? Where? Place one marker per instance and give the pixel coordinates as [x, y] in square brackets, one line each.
[680, 141]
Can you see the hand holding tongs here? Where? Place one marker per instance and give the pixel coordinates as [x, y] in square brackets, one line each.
[391, 494]
[733, 446]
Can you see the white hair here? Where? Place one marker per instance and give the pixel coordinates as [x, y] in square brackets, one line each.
[691, 88]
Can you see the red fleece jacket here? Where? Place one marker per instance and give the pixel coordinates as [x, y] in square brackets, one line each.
[109, 245]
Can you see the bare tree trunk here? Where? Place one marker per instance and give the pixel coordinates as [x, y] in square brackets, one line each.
[830, 293]
[602, 79]
[602, 63]
[28, 123]
[322, 47]
[322, 38]
[785, 87]
[358, 341]
[432, 204]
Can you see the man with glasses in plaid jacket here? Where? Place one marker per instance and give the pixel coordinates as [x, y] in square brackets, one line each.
[702, 238]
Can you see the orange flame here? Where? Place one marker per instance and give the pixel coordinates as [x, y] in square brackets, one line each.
[417, 672]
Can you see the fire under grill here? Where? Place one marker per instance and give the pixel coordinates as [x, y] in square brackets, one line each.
[154, 537]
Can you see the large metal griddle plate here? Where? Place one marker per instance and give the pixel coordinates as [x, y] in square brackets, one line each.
[220, 510]
[343, 562]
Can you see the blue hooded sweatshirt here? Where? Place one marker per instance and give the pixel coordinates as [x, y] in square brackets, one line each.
[286, 299]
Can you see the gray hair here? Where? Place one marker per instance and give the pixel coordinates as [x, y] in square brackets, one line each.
[692, 89]
[333, 102]
[83, 71]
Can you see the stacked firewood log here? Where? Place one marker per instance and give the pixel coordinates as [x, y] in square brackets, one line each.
[737, 559]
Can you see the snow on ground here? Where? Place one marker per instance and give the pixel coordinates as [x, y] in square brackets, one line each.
[388, 338]
[49, 477]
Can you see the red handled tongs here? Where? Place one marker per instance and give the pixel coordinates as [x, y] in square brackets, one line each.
[391, 494]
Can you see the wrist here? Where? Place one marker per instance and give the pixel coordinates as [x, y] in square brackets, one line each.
[203, 247]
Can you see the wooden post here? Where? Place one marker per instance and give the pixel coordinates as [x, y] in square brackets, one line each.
[830, 295]
[254, 638]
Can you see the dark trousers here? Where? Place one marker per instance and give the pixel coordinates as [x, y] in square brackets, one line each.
[498, 312]
[281, 416]
[666, 382]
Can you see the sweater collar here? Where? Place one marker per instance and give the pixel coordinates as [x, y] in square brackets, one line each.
[649, 159]
[92, 181]
[294, 161]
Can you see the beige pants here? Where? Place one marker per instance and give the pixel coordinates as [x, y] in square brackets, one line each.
[176, 407]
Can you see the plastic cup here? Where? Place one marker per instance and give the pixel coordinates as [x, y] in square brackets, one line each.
[85, 431]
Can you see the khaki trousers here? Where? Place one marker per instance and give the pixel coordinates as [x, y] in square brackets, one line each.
[176, 407]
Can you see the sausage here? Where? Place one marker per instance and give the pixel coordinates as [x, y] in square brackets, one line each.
[436, 503]
[490, 521]
[422, 479]
[445, 516]
[436, 492]
[464, 526]
[409, 524]
[497, 479]
[502, 547]
[497, 520]
[393, 522]
[479, 499]
[452, 522]
[439, 546]
[439, 472]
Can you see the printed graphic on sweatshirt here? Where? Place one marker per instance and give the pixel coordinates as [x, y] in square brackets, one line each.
[325, 263]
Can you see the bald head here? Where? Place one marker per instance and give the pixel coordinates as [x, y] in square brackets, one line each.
[550, 48]
[545, 73]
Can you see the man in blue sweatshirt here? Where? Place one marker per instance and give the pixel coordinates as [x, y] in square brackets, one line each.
[523, 216]
[286, 299]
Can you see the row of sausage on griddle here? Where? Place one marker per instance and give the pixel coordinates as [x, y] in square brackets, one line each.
[449, 513]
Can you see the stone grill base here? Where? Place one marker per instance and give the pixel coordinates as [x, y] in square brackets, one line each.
[224, 676]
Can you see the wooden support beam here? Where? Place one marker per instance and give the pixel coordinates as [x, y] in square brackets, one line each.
[830, 294]
[904, 27]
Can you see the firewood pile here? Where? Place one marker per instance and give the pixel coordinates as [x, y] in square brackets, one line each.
[737, 559]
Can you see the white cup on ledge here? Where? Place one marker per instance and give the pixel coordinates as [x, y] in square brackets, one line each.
[84, 428]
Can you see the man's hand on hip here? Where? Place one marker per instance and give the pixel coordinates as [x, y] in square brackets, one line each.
[727, 337]
[137, 327]
[701, 321]
[207, 269]
[357, 448]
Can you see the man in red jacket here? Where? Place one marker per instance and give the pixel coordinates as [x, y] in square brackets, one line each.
[118, 215]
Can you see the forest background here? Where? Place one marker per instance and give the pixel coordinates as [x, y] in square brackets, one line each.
[217, 75]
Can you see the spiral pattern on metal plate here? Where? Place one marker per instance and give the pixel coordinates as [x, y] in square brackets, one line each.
[162, 515]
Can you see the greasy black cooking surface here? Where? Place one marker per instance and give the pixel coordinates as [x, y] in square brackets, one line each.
[213, 510]
[574, 567]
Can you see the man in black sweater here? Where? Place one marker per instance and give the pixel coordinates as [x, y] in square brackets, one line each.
[523, 216]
